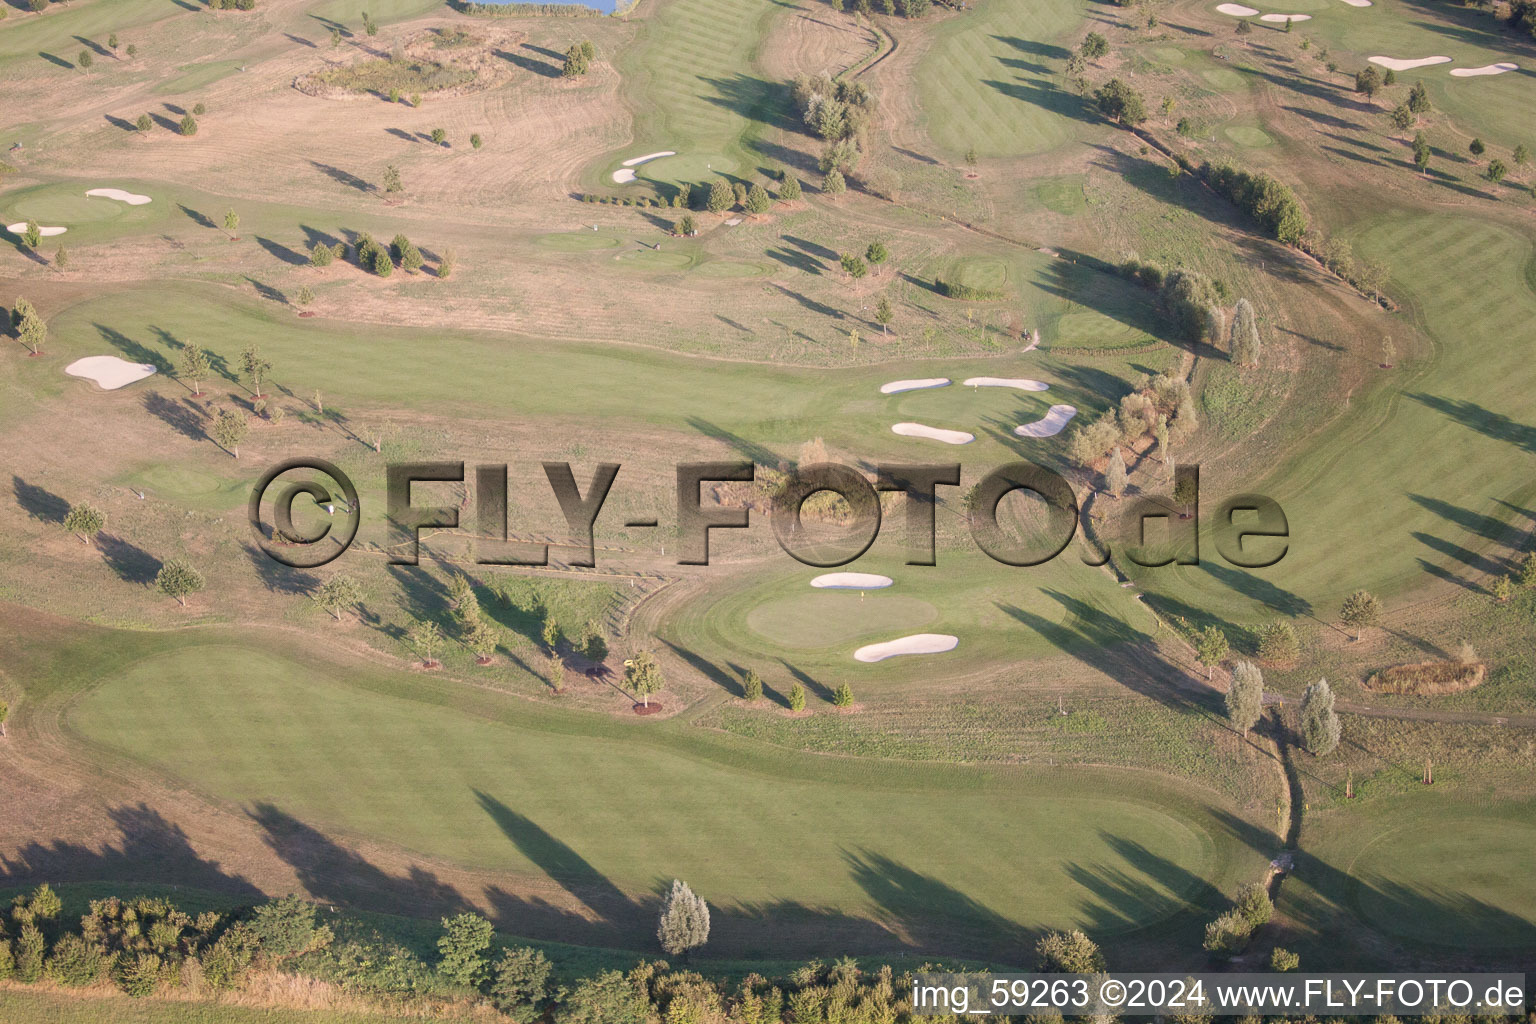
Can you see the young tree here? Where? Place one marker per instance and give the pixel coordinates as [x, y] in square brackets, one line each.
[834, 184]
[133, 51]
[1521, 155]
[884, 314]
[199, 108]
[643, 676]
[30, 327]
[32, 234]
[439, 137]
[462, 947]
[1211, 647]
[684, 924]
[85, 60]
[188, 124]
[1120, 102]
[1496, 170]
[758, 201]
[555, 672]
[576, 62]
[842, 696]
[1278, 643]
[1360, 609]
[1319, 723]
[61, 259]
[853, 265]
[971, 158]
[1282, 960]
[752, 685]
[195, 366]
[1368, 81]
[522, 984]
[475, 141]
[177, 578]
[877, 253]
[427, 639]
[229, 429]
[112, 41]
[338, 593]
[1418, 98]
[721, 196]
[392, 181]
[144, 124]
[1068, 953]
[305, 295]
[588, 51]
[445, 264]
[5, 712]
[1388, 79]
[1244, 27]
[1421, 152]
[1094, 46]
[1245, 344]
[254, 367]
[790, 190]
[85, 521]
[482, 641]
[686, 227]
[1476, 147]
[797, 698]
[1245, 697]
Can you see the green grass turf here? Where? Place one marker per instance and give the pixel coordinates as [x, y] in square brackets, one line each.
[89, 219]
[577, 241]
[992, 79]
[1438, 447]
[696, 89]
[198, 76]
[493, 782]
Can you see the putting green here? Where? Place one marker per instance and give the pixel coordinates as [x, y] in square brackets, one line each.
[983, 272]
[1247, 135]
[1224, 79]
[1062, 195]
[577, 241]
[1461, 869]
[651, 259]
[91, 218]
[824, 617]
[732, 269]
[181, 483]
[492, 782]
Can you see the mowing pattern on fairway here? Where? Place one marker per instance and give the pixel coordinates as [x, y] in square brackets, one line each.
[987, 82]
[596, 804]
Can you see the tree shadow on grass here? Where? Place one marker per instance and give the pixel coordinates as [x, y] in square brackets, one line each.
[134, 350]
[538, 67]
[56, 60]
[39, 502]
[292, 257]
[342, 177]
[279, 578]
[200, 219]
[1475, 417]
[131, 563]
[185, 417]
[750, 450]
[706, 668]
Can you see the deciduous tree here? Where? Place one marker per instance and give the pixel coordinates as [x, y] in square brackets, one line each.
[1319, 723]
[1245, 696]
[338, 593]
[684, 924]
[462, 948]
[1359, 610]
[179, 579]
[1244, 340]
[229, 429]
[643, 676]
[85, 521]
[1211, 647]
[427, 639]
[195, 366]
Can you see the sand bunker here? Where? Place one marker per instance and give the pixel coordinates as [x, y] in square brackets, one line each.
[1022, 383]
[625, 175]
[109, 372]
[897, 386]
[933, 433]
[1358, 3]
[19, 229]
[131, 198]
[1236, 10]
[1055, 418]
[917, 643]
[1395, 64]
[1285, 17]
[1487, 69]
[851, 581]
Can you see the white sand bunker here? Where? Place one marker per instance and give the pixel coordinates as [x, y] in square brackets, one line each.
[1358, 3]
[19, 229]
[1236, 10]
[109, 372]
[1487, 69]
[897, 386]
[851, 581]
[1285, 17]
[131, 198]
[1396, 64]
[1055, 418]
[626, 175]
[1022, 383]
[917, 643]
[933, 433]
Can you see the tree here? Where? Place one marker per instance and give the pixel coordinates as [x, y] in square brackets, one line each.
[404, 250]
[144, 124]
[1522, 155]
[1068, 953]
[188, 124]
[1401, 117]
[133, 51]
[1114, 473]
[1277, 642]
[1501, 589]
[1388, 79]
[475, 141]
[5, 712]
[86, 60]
[752, 685]
[797, 698]
[884, 314]
[758, 200]
[721, 196]
[61, 259]
[1476, 147]
[608, 998]
[1245, 697]
[1211, 647]
[588, 51]
[789, 192]
[30, 947]
[30, 327]
[1418, 98]
[229, 429]
[576, 62]
[445, 264]
[1244, 27]
[285, 926]
[521, 983]
[1359, 610]
[853, 265]
[834, 184]
[1496, 170]
[339, 593]
[1368, 81]
[1245, 344]
[254, 367]
[85, 521]
[392, 181]
[1525, 574]
[1094, 46]
[1120, 102]
[439, 137]
[179, 579]
[1319, 724]
[686, 226]
[1421, 152]
[461, 949]
[1227, 935]
[555, 671]
[112, 41]
[195, 366]
[971, 156]
[427, 639]
[482, 641]
[199, 108]
[593, 644]
[843, 696]
[32, 234]
[232, 223]
[1283, 960]
[643, 676]
[684, 924]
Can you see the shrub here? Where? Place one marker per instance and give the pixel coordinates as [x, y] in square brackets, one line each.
[74, 962]
[956, 290]
[285, 926]
[382, 264]
[1228, 934]
[752, 685]
[1068, 953]
[321, 255]
[521, 984]
[607, 998]
[188, 125]
[226, 961]
[138, 975]
[843, 696]
[1266, 200]
[462, 946]
[1277, 642]
[797, 698]
[1253, 904]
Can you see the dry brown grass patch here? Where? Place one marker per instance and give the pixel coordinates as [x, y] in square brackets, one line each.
[1428, 678]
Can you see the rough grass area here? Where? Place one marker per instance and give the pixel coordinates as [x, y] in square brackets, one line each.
[406, 76]
[1428, 678]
